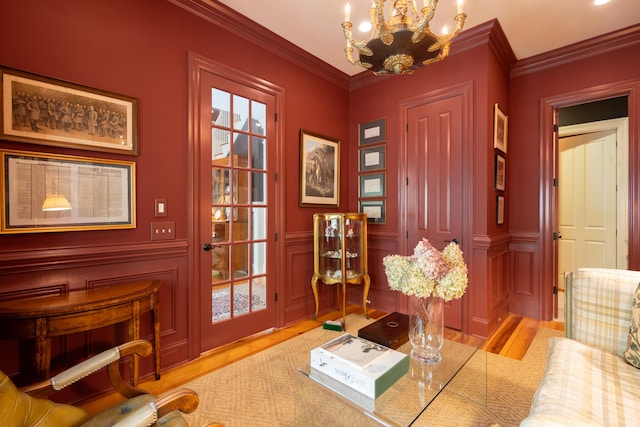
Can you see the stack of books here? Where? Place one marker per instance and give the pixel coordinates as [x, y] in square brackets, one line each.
[364, 366]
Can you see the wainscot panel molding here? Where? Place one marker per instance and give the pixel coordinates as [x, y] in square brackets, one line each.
[525, 254]
[298, 295]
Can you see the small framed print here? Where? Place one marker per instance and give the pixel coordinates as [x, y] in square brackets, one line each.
[373, 185]
[376, 211]
[373, 158]
[499, 129]
[499, 210]
[501, 172]
[372, 132]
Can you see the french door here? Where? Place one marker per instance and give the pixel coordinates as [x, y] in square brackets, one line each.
[237, 220]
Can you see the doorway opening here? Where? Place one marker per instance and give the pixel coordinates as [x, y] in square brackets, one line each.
[592, 189]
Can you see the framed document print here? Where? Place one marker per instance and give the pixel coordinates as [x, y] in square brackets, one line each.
[372, 132]
[499, 210]
[372, 185]
[372, 158]
[375, 209]
[501, 172]
[46, 192]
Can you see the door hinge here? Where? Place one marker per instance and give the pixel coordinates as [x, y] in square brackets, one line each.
[275, 177]
[276, 297]
[275, 237]
[555, 182]
[275, 116]
[555, 127]
[407, 235]
[555, 290]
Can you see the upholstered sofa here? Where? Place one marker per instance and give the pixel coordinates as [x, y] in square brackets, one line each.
[589, 379]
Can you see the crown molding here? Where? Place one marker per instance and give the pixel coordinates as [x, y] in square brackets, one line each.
[241, 26]
[599, 45]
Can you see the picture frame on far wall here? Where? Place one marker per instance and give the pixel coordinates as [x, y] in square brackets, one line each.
[372, 158]
[500, 121]
[499, 210]
[41, 110]
[372, 185]
[43, 192]
[500, 172]
[376, 211]
[372, 132]
[319, 170]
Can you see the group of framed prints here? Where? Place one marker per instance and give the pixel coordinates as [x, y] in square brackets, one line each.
[500, 147]
[372, 170]
[44, 191]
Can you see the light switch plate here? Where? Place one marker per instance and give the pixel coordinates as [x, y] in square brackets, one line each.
[160, 208]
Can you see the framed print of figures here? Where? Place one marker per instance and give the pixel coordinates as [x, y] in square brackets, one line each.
[372, 158]
[51, 192]
[499, 129]
[41, 110]
[319, 170]
[501, 172]
[372, 132]
[375, 209]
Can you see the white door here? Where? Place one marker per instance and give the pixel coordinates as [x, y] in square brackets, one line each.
[588, 210]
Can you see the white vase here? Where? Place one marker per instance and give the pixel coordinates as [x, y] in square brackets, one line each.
[426, 329]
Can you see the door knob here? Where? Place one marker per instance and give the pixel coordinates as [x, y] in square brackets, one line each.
[208, 246]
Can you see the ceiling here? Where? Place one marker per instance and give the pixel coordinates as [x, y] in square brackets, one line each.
[531, 26]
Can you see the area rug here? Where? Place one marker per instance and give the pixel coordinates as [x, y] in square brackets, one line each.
[261, 389]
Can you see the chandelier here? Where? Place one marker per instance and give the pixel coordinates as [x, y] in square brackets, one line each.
[404, 42]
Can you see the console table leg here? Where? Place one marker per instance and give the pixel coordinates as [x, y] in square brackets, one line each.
[155, 313]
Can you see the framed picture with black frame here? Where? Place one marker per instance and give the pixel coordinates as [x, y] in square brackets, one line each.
[376, 210]
[372, 132]
[372, 185]
[372, 158]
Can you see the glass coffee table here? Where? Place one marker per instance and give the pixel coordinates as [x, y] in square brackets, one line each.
[322, 401]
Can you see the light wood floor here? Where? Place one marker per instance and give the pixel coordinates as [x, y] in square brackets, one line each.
[512, 340]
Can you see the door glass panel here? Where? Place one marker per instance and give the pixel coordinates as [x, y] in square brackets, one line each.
[220, 303]
[242, 190]
[240, 260]
[259, 297]
[241, 112]
[241, 298]
[259, 190]
[259, 256]
[259, 223]
[241, 148]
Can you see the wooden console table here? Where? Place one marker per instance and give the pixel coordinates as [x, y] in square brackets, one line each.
[41, 318]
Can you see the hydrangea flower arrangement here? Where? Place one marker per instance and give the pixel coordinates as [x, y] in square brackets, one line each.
[428, 272]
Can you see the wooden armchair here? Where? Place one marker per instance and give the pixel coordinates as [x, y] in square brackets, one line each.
[29, 406]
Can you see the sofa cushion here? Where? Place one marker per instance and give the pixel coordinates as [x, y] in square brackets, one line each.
[586, 386]
[599, 307]
[632, 353]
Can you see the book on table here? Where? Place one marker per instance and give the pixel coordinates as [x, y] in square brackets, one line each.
[363, 365]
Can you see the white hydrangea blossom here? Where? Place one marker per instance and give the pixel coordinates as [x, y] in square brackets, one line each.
[428, 272]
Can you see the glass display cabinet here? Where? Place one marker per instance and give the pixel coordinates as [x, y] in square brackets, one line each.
[340, 254]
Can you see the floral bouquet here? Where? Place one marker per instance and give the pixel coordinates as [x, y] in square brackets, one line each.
[428, 273]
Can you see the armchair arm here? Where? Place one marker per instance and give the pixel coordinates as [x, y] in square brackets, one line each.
[183, 400]
[110, 358]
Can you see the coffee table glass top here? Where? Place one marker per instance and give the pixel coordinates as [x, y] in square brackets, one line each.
[463, 370]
